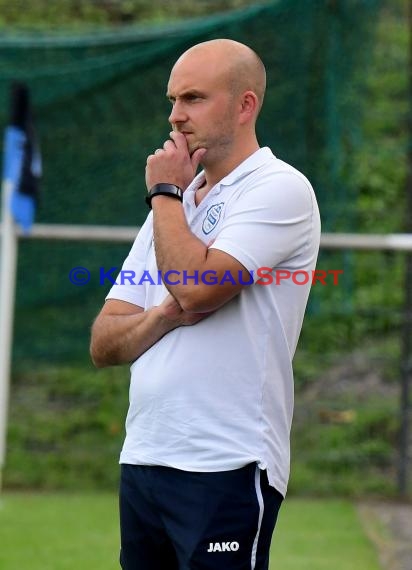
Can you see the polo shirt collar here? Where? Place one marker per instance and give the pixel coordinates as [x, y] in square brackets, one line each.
[253, 162]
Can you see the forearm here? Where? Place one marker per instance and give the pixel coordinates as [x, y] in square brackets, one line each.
[177, 249]
[120, 339]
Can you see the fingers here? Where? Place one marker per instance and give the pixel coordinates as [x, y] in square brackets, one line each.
[179, 139]
[169, 145]
[173, 163]
[197, 157]
[181, 143]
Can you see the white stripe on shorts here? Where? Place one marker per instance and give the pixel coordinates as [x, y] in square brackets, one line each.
[261, 509]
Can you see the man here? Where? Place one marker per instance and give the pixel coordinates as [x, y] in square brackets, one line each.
[205, 462]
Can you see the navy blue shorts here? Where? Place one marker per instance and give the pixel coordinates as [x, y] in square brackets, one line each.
[183, 520]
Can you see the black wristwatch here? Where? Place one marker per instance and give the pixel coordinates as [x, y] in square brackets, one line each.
[164, 189]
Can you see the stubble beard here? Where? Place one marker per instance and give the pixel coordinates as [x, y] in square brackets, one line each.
[218, 145]
[218, 149]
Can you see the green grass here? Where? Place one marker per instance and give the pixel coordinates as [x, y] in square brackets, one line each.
[321, 535]
[58, 532]
[79, 532]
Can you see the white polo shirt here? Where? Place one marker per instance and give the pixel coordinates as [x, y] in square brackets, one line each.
[219, 394]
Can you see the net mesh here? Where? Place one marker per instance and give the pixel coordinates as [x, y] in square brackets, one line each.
[100, 109]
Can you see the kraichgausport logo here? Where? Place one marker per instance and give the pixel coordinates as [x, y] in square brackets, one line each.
[266, 276]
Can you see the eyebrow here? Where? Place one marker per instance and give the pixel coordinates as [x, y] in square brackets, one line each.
[186, 94]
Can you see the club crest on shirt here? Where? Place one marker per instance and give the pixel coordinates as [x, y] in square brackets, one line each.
[212, 217]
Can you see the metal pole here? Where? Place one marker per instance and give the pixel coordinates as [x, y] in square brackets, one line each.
[7, 289]
[406, 363]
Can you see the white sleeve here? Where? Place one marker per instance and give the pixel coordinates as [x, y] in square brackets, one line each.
[127, 286]
[271, 223]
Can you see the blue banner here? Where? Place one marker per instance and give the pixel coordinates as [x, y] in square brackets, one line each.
[22, 168]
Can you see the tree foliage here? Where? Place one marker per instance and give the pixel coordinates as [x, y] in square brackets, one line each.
[382, 161]
[79, 13]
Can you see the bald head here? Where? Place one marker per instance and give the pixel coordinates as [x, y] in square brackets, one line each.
[239, 66]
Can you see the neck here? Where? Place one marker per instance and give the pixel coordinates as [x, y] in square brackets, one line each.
[217, 170]
[214, 173]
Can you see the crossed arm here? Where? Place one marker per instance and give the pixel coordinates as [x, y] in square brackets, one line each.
[122, 331]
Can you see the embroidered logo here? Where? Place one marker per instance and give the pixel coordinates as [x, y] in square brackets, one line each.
[223, 547]
[212, 217]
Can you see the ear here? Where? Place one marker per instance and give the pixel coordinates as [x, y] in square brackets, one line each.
[249, 106]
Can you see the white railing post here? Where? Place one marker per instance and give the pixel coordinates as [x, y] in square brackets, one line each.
[7, 292]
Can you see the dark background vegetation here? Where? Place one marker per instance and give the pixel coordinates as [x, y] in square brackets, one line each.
[66, 419]
[77, 14]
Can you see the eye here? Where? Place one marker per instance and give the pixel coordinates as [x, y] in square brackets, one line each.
[193, 97]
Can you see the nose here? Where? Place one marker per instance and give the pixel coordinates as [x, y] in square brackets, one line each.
[178, 114]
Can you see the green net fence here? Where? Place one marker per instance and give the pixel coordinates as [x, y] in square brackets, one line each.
[100, 108]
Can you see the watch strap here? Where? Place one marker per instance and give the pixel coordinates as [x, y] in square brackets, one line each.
[164, 189]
